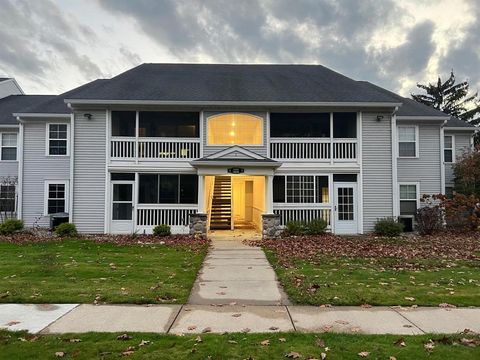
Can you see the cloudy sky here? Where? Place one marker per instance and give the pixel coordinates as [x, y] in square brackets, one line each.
[51, 46]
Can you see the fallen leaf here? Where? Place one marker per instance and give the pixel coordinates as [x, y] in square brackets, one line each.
[198, 339]
[75, 340]
[392, 358]
[192, 327]
[265, 343]
[429, 345]
[342, 322]
[246, 330]
[282, 339]
[446, 306]
[400, 342]
[293, 355]
[232, 342]
[363, 354]
[144, 342]
[124, 337]
[409, 298]
[237, 315]
[11, 323]
[323, 356]
[59, 354]
[207, 330]
[320, 343]
[273, 328]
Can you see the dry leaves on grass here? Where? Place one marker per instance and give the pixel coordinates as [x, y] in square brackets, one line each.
[293, 355]
[444, 245]
[265, 342]
[363, 354]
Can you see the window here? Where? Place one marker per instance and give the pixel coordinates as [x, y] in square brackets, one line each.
[56, 197]
[123, 123]
[57, 139]
[448, 149]
[449, 192]
[407, 141]
[235, 129]
[408, 199]
[8, 143]
[168, 124]
[7, 198]
[345, 125]
[300, 125]
[300, 189]
[168, 189]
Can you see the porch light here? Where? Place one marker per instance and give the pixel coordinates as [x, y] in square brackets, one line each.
[232, 133]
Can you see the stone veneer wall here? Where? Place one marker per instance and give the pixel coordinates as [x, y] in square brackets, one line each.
[198, 224]
[271, 226]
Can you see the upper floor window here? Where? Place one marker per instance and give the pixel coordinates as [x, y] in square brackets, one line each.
[300, 125]
[345, 125]
[8, 146]
[235, 129]
[57, 139]
[408, 141]
[168, 124]
[449, 149]
[123, 123]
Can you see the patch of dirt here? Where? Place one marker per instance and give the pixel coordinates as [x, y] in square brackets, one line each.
[444, 245]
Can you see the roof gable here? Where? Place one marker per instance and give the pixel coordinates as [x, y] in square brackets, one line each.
[235, 153]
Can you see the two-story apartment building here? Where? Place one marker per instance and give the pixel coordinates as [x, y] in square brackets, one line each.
[242, 144]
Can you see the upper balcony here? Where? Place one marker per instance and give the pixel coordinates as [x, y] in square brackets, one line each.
[173, 136]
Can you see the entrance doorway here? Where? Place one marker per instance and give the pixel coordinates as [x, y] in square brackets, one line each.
[345, 208]
[122, 196]
[235, 202]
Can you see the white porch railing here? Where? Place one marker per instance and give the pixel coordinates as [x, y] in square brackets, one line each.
[317, 149]
[129, 148]
[300, 213]
[174, 215]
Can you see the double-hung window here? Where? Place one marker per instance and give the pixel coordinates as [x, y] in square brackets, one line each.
[56, 193]
[8, 146]
[408, 199]
[7, 198]
[408, 141]
[300, 189]
[448, 149]
[57, 139]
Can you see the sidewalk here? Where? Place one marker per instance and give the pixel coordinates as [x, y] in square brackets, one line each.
[191, 319]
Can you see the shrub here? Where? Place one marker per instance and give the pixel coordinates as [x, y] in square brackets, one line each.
[66, 230]
[429, 219]
[388, 227]
[295, 228]
[162, 230]
[461, 211]
[316, 227]
[11, 226]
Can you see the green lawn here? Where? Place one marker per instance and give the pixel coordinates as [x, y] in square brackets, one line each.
[379, 281]
[236, 346]
[72, 271]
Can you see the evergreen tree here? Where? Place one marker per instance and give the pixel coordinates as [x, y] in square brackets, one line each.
[451, 98]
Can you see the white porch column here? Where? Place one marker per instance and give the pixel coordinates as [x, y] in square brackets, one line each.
[201, 194]
[269, 194]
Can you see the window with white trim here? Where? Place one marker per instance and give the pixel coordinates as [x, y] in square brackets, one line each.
[8, 146]
[300, 189]
[56, 197]
[407, 141]
[448, 149]
[57, 139]
[408, 199]
[7, 198]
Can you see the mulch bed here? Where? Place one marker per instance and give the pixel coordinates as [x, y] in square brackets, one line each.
[445, 245]
[171, 240]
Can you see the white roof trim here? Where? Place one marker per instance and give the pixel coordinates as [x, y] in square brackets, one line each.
[235, 163]
[230, 103]
[461, 128]
[236, 148]
[438, 118]
[41, 115]
[9, 125]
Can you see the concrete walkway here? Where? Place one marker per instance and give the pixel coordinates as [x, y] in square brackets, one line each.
[193, 319]
[236, 273]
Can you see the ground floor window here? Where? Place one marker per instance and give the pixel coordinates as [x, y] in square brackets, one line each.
[449, 192]
[7, 198]
[168, 189]
[56, 197]
[408, 199]
[301, 189]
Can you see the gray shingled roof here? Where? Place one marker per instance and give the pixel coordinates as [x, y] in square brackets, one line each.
[3, 79]
[57, 105]
[410, 107]
[456, 122]
[244, 83]
[16, 103]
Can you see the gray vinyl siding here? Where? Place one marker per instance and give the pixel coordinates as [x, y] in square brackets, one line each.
[426, 168]
[376, 168]
[89, 171]
[37, 168]
[462, 145]
[7, 88]
[9, 168]
[208, 150]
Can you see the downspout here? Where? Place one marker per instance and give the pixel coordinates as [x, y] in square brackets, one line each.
[442, 157]
[395, 197]
[72, 164]
[21, 133]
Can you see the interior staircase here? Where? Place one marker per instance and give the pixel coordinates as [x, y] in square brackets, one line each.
[221, 216]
